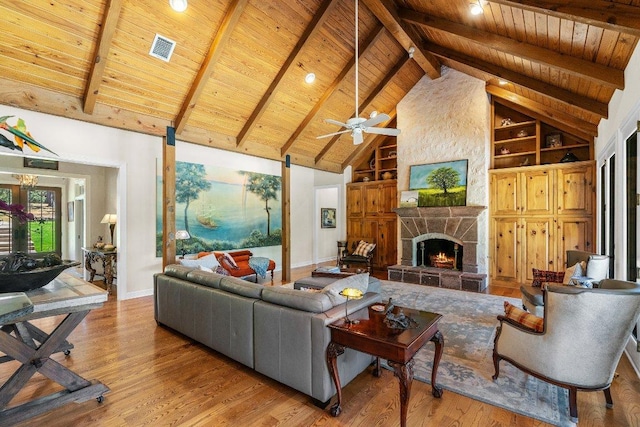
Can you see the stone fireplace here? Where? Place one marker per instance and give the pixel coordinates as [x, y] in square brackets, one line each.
[439, 248]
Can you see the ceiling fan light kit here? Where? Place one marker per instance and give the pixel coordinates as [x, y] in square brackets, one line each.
[358, 125]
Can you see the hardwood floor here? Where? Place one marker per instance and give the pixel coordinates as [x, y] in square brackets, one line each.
[160, 378]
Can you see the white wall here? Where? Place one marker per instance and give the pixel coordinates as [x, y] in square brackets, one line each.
[326, 238]
[624, 114]
[443, 120]
[133, 180]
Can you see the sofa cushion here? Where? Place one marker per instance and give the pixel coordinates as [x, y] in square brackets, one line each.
[205, 278]
[527, 320]
[314, 302]
[541, 276]
[598, 267]
[241, 287]
[177, 270]
[208, 261]
[358, 281]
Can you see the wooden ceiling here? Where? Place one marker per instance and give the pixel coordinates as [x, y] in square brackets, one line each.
[236, 77]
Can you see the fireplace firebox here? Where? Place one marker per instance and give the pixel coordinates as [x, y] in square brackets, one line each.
[439, 253]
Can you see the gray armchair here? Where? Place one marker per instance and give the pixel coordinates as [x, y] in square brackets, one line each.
[532, 297]
[585, 332]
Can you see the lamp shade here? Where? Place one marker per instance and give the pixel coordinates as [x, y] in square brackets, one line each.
[352, 293]
[182, 235]
[109, 219]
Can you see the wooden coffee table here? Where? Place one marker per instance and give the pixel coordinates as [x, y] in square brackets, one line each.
[398, 347]
[344, 272]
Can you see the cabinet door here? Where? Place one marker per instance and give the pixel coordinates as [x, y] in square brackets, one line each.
[386, 249]
[354, 200]
[576, 190]
[573, 233]
[505, 247]
[387, 197]
[537, 192]
[538, 246]
[504, 193]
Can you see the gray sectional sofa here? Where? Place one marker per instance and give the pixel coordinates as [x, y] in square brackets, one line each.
[277, 331]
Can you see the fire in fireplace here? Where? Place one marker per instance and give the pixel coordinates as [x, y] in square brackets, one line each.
[439, 253]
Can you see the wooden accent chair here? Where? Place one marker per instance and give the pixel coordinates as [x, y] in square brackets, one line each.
[585, 331]
[362, 253]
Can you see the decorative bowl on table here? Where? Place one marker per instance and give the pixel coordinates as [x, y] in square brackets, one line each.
[21, 273]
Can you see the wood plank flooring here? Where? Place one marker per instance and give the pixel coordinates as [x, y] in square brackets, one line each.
[160, 378]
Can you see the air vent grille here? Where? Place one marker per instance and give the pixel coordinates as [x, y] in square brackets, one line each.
[162, 47]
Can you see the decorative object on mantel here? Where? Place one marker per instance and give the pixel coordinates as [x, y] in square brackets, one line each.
[21, 273]
[21, 136]
[409, 199]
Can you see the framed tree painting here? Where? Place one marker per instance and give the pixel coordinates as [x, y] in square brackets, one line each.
[328, 217]
[440, 184]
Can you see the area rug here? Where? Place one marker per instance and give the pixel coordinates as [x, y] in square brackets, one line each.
[469, 326]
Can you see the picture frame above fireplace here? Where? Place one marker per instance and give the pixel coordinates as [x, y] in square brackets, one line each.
[440, 184]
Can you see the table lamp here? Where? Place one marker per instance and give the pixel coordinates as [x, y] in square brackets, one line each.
[110, 219]
[182, 235]
[352, 293]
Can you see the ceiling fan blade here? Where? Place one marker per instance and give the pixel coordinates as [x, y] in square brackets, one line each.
[375, 120]
[357, 138]
[383, 131]
[335, 122]
[333, 133]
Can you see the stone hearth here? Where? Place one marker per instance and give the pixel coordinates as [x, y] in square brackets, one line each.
[456, 223]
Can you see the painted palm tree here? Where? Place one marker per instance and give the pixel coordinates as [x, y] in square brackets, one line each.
[266, 188]
[190, 181]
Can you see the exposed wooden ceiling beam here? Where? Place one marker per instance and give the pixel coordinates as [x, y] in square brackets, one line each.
[314, 26]
[375, 35]
[579, 127]
[379, 88]
[387, 13]
[107, 29]
[204, 73]
[599, 74]
[563, 96]
[609, 15]
[373, 140]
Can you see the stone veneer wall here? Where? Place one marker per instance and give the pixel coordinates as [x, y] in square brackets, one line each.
[449, 119]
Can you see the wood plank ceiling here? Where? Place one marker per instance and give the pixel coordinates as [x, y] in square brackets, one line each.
[236, 78]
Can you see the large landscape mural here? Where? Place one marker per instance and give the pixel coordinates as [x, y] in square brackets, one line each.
[223, 209]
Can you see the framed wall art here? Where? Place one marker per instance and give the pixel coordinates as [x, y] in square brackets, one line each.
[328, 217]
[440, 184]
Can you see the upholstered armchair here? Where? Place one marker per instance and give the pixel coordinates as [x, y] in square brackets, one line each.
[585, 331]
[596, 267]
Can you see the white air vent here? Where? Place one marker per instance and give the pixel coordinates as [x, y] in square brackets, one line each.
[162, 47]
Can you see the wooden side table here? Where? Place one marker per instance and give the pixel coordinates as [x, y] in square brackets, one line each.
[22, 341]
[109, 261]
[398, 347]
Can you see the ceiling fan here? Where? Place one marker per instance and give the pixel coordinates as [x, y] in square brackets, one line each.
[358, 125]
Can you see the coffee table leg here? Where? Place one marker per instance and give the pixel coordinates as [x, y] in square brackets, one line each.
[404, 372]
[438, 340]
[333, 351]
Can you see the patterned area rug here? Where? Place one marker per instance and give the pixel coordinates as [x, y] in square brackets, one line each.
[468, 326]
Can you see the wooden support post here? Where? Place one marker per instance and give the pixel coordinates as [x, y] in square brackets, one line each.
[286, 220]
[169, 198]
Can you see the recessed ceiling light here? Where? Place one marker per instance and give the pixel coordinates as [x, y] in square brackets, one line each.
[178, 5]
[310, 78]
[476, 7]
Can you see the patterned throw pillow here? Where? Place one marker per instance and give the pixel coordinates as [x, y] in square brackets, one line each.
[541, 276]
[229, 259]
[527, 320]
[364, 248]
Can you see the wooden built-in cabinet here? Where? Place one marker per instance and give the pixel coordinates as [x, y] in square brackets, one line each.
[520, 139]
[370, 217]
[538, 213]
[381, 163]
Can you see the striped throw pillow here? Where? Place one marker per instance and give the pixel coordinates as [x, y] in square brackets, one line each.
[527, 320]
[364, 248]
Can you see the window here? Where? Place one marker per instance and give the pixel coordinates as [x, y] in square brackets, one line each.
[42, 235]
